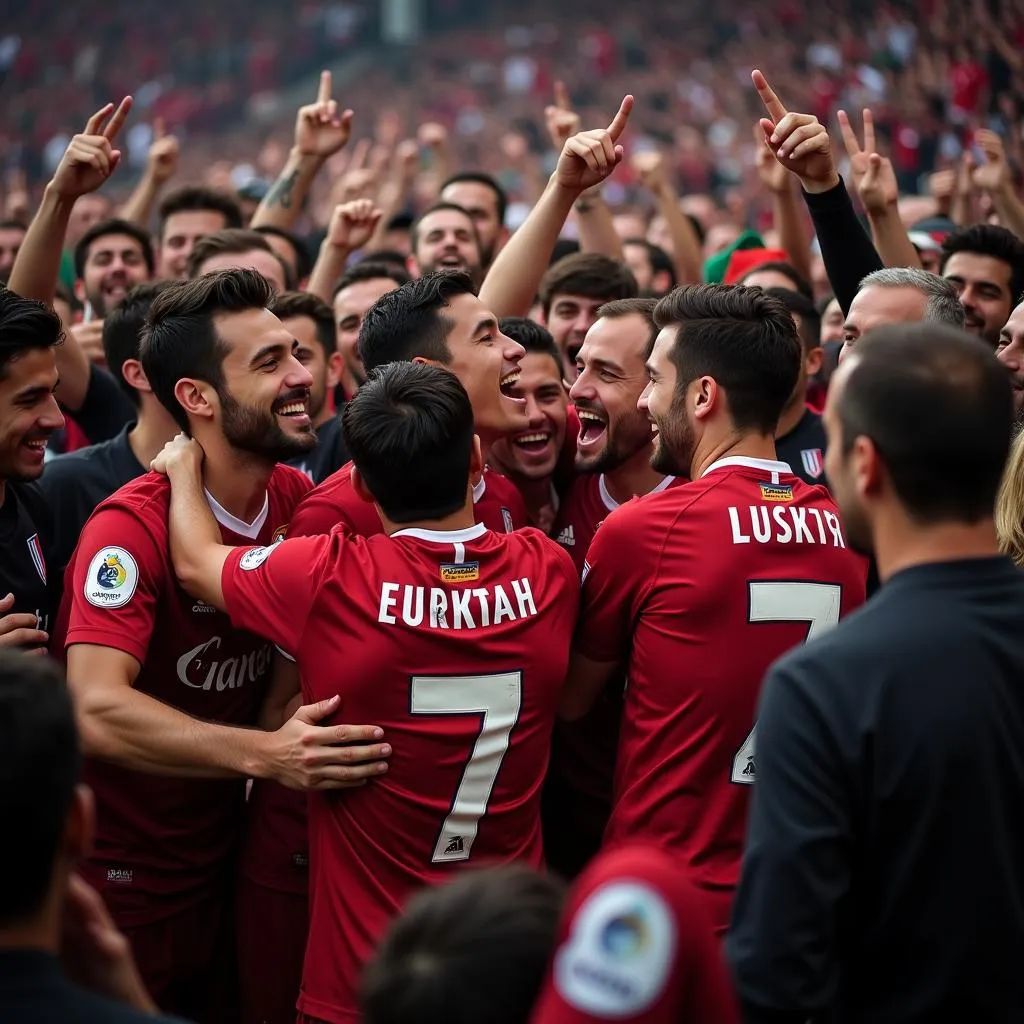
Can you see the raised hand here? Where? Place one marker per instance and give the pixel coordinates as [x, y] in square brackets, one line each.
[773, 175]
[874, 179]
[994, 174]
[650, 169]
[407, 157]
[320, 131]
[798, 141]
[162, 160]
[17, 202]
[89, 338]
[358, 180]
[432, 135]
[589, 157]
[90, 158]
[353, 224]
[561, 121]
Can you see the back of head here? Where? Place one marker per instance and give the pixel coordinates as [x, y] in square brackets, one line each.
[990, 240]
[741, 337]
[39, 769]
[122, 330]
[410, 321]
[588, 275]
[942, 306]
[191, 198]
[287, 305]
[936, 404]
[410, 431]
[372, 270]
[113, 226]
[469, 952]
[230, 242]
[180, 339]
[24, 325]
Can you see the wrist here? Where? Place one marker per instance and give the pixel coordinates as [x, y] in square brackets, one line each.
[55, 200]
[300, 160]
[817, 186]
[257, 761]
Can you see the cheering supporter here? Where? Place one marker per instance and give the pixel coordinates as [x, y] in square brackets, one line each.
[187, 215]
[445, 238]
[486, 203]
[1010, 352]
[235, 248]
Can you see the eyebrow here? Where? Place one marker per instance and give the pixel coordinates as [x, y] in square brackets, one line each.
[269, 350]
[488, 323]
[604, 364]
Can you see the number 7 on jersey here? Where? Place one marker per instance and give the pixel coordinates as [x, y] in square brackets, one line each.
[817, 604]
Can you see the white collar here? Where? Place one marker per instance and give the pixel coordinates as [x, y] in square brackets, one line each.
[479, 487]
[444, 536]
[611, 504]
[764, 465]
[234, 524]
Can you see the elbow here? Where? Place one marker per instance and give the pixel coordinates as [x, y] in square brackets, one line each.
[94, 730]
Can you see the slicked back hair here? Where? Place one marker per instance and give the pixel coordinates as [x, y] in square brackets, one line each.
[942, 303]
[180, 338]
[25, 324]
[742, 338]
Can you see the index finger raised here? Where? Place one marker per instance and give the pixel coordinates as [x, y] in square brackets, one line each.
[562, 100]
[324, 93]
[115, 124]
[849, 135]
[92, 126]
[869, 131]
[772, 103]
[619, 121]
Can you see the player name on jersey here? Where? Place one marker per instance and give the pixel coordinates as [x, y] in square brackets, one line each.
[785, 524]
[464, 608]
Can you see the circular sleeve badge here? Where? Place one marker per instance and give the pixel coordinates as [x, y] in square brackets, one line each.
[255, 557]
[111, 578]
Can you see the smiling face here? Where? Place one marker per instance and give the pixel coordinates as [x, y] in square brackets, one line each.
[29, 414]
[115, 263]
[612, 377]
[1011, 354]
[323, 368]
[181, 232]
[533, 453]
[446, 240]
[350, 306]
[568, 320]
[481, 203]
[676, 439]
[983, 283]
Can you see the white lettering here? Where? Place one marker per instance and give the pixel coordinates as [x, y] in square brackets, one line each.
[438, 608]
[460, 610]
[485, 612]
[761, 523]
[800, 522]
[196, 671]
[409, 617]
[388, 600]
[816, 513]
[524, 595]
[785, 532]
[502, 605]
[738, 537]
[834, 528]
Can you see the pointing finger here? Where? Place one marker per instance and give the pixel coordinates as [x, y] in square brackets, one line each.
[562, 100]
[324, 93]
[115, 124]
[618, 125]
[776, 111]
[849, 136]
[158, 128]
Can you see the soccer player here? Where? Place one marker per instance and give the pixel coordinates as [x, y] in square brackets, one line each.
[436, 319]
[698, 589]
[166, 687]
[613, 465]
[885, 846]
[454, 637]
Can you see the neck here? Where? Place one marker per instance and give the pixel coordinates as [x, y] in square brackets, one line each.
[634, 477]
[902, 544]
[463, 519]
[236, 479]
[791, 417]
[152, 430]
[748, 446]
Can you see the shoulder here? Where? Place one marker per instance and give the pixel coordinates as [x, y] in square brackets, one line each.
[146, 499]
[291, 481]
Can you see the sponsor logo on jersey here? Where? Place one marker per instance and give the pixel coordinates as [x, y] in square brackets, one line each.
[813, 461]
[202, 608]
[618, 959]
[567, 538]
[120, 876]
[455, 847]
[460, 572]
[506, 518]
[111, 579]
[35, 552]
[202, 669]
[777, 492]
[254, 558]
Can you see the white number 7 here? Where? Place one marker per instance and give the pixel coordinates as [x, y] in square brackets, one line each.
[818, 605]
[497, 698]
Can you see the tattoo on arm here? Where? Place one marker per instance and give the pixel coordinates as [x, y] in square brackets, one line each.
[280, 193]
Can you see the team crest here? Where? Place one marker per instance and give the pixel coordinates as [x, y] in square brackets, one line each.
[35, 552]
[813, 461]
[279, 534]
[506, 518]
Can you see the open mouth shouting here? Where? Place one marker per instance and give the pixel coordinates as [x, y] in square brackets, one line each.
[508, 384]
[593, 428]
[450, 259]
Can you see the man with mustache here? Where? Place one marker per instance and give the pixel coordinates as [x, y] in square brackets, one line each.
[167, 691]
[697, 590]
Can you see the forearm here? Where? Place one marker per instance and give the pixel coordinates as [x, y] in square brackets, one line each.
[37, 266]
[1010, 209]
[791, 224]
[685, 243]
[512, 282]
[75, 373]
[329, 266]
[891, 241]
[139, 206]
[283, 202]
[597, 228]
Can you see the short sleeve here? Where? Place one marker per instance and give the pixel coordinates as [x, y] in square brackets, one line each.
[270, 590]
[119, 573]
[613, 580]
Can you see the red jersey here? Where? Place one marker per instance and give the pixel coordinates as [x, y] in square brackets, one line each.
[698, 590]
[158, 836]
[335, 503]
[456, 645]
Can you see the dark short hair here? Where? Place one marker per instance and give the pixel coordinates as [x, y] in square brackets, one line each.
[800, 283]
[803, 307]
[372, 270]
[746, 340]
[414, 231]
[410, 321]
[989, 240]
[113, 226]
[534, 337]
[389, 257]
[475, 949]
[303, 265]
[25, 324]
[122, 328]
[588, 274]
[10, 224]
[563, 247]
[40, 765]
[937, 405]
[643, 308]
[179, 338]
[480, 178]
[410, 431]
[289, 304]
[661, 262]
[232, 242]
[192, 198]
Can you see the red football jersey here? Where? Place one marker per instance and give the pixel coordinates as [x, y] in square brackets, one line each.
[456, 645]
[335, 503]
[158, 836]
[698, 590]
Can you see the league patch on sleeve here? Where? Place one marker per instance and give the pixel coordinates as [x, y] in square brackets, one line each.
[255, 557]
[111, 579]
